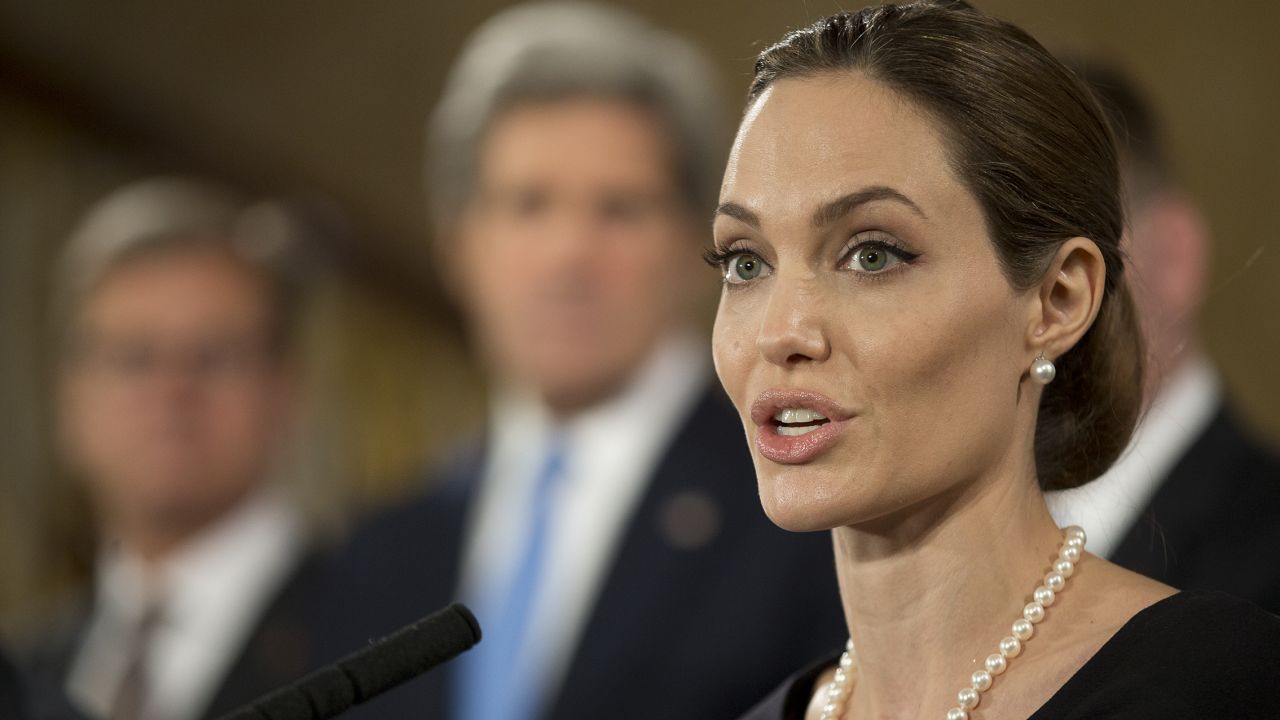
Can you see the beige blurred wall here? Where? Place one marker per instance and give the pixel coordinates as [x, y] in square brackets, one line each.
[329, 99]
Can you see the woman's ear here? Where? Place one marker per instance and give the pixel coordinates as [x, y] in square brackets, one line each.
[1067, 299]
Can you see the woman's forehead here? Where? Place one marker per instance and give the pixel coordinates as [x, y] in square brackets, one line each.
[807, 140]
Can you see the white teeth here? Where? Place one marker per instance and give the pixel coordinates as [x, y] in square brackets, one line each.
[798, 415]
[793, 430]
[798, 421]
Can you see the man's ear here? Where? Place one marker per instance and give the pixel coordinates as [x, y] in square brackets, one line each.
[1067, 299]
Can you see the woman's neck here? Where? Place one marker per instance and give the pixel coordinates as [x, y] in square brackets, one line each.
[929, 593]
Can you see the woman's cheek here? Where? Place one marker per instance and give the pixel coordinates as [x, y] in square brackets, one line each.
[732, 345]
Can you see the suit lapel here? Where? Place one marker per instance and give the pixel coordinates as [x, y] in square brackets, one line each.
[1199, 487]
[281, 647]
[675, 534]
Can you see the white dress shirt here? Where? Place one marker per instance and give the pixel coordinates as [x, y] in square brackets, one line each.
[612, 450]
[1107, 507]
[214, 591]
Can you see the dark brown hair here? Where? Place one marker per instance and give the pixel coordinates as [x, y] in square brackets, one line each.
[1030, 142]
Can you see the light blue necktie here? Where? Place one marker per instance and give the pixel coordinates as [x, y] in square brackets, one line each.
[499, 679]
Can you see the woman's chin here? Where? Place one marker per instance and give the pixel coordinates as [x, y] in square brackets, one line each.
[800, 507]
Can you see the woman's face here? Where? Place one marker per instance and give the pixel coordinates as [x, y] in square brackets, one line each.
[866, 332]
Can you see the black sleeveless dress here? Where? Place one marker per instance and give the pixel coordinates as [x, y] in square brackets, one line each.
[1192, 655]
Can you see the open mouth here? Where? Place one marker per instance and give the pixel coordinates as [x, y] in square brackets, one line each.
[792, 422]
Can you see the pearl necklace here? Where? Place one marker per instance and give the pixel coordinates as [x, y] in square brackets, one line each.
[1023, 628]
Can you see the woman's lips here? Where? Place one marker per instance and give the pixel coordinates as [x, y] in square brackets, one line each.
[792, 449]
[797, 449]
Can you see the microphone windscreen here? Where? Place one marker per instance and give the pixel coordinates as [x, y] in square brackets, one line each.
[411, 651]
[362, 675]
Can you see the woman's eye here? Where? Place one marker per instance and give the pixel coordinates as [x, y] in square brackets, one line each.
[744, 267]
[874, 257]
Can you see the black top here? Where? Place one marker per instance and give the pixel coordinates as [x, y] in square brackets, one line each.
[1192, 655]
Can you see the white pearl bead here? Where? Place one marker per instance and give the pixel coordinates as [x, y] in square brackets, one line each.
[1077, 532]
[1023, 629]
[840, 677]
[1074, 542]
[1064, 567]
[996, 663]
[829, 710]
[1010, 647]
[1043, 371]
[1033, 612]
[1070, 554]
[968, 698]
[846, 661]
[1044, 596]
[957, 714]
[1055, 581]
[981, 680]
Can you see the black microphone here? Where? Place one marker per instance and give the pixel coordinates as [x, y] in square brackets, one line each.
[401, 656]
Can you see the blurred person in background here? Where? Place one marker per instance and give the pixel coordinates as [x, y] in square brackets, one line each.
[603, 530]
[1194, 502]
[176, 396]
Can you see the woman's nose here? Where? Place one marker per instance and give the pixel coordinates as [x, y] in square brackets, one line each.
[791, 332]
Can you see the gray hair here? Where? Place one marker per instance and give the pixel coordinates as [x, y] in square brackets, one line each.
[557, 50]
[162, 214]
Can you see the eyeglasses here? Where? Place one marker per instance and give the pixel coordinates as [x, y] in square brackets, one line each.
[206, 361]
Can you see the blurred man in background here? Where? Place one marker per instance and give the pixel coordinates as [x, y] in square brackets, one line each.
[606, 531]
[176, 396]
[1195, 500]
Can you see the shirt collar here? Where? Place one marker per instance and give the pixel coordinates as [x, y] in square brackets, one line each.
[1108, 506]
[522, 425]
[259, 533]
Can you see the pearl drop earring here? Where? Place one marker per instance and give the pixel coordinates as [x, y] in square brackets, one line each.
[1043, 370]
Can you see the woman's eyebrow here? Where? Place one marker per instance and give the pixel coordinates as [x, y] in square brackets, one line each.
[738, 212]
[838, 208]
[831, 211]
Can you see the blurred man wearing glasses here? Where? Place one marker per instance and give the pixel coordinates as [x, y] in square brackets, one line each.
[175, 398]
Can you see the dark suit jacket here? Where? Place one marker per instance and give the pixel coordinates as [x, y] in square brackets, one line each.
[13, 695]
[1214, 523]
[283, 646]
[684, 627]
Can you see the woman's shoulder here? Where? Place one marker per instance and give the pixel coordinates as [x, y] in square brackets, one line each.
[1209, 623]
[1202, 654]
[1218, 604]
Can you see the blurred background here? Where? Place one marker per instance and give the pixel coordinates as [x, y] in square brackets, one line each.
[324, 104]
